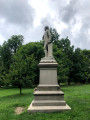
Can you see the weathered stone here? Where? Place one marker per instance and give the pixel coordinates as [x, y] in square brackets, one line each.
[47, 43]
[48, 103]
[48, 87]
[47, 95]
[47, 109]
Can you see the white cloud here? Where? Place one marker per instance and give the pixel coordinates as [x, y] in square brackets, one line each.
[28, 17]
[17, 12]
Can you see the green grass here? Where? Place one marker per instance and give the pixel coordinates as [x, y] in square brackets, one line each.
[77, 97]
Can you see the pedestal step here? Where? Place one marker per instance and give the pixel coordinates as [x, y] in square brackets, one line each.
[48, 92]
[48, 87]
[48, 103]
[49, 95]
[47, 109]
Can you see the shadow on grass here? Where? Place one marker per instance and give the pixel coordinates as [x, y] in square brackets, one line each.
[16, 95]
[73, 85]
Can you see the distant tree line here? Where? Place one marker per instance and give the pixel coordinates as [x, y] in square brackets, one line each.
[19, 63]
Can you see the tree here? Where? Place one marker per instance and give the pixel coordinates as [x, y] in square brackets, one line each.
[15, 42]
[79, 71]
[54, 35]
[86, 54]
[24, 70]
[63, 54]
[6, 55]
[63, 69]
[35, 48]
[7, 51]
[9, 48]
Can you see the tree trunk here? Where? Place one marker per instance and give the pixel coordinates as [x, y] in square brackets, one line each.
[68, 82]
[20, 89]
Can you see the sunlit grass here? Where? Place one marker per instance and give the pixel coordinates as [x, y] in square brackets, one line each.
[77, 97]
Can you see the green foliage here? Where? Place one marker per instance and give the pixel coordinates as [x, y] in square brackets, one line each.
[15, 42]
[86, 60]
[63, 52]
[6, 55]
[61, 60]
[9, 48]
[19, 63]
[80, 67]
[54, 35]
[24, 70]
[7, 51]
[35, 49]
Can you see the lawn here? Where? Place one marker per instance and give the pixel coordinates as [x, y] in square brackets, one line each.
[77, 97]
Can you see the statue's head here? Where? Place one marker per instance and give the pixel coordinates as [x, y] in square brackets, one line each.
[46, 28]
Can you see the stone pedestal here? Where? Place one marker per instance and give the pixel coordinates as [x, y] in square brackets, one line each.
[48, 97]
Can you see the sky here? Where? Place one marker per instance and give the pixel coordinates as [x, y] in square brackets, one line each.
[29, 17]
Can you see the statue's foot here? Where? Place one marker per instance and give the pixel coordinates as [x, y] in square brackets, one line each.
[51, 57]
[48, 59]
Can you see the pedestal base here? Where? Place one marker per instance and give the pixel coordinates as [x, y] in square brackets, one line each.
[48, 97]
[47, 109]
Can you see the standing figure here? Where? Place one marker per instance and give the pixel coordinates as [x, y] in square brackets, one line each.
[47, 43]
